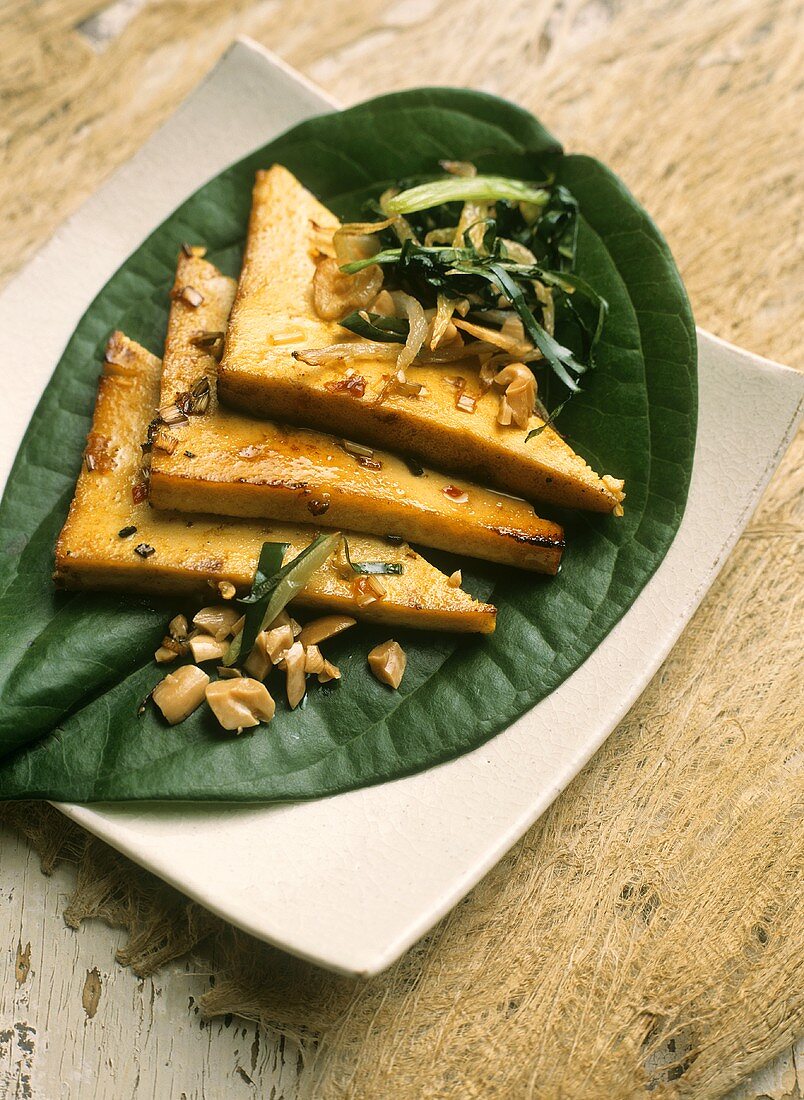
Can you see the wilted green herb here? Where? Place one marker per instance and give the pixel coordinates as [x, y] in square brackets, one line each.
[395, 568]
[527, 253]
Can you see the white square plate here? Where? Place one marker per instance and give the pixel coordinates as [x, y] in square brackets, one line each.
[350, 882]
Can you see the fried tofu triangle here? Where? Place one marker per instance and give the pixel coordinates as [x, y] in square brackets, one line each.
[273, 318]
[113, 538]
[211, 458]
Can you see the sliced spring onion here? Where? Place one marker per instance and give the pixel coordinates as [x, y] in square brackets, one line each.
[465, 189]
[373, 326]
[275, 585]
[368, 568]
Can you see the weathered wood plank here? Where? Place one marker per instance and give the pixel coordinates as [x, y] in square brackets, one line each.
[74, 1024]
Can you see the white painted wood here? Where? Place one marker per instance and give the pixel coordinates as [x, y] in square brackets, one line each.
[146, 1038]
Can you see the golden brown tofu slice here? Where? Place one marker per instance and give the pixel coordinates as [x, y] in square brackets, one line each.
[113, 538]
[217, 460]
[273, 317]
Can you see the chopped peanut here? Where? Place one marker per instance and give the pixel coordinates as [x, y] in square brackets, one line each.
[240, 703]
[258, 663]
[219, 621]
[329, 672]
[180, 693]
[505, 413]
[295, 627]
[455, 580]
[227, 673]
[277, 641]
[367, 590]
[206, 648]
[387, 662]
[313, 659]
[227, 590]
[326, 627]
[519, 399]
[164, 656]
[294, 662]
[179, 628]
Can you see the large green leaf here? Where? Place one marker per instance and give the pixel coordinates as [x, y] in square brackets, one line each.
[74, 668]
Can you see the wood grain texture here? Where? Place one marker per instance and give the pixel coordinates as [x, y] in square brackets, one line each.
[697, 104]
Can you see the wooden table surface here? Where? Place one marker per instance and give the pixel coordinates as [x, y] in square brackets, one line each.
[82, 84]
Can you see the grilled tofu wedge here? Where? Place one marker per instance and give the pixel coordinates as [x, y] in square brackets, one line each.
[212, 459]
[273, 318]
[113, 538]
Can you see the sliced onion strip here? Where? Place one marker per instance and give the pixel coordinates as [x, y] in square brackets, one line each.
[417, 322]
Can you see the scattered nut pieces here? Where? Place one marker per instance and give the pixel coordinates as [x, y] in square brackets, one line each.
[175, 645]
[518, 402]
[327, 626]
[179, 628]
[228, 673]
[206, 648]
[455, 580]
[277, 641]
[164, 656]
[364, 593]
[387, 662]
[313, 660]
[180, 693]
[219, 621]
[227, 590]
[329, 672]
[259, 663]
[376, 586]
[294, 662]
[240, 703]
